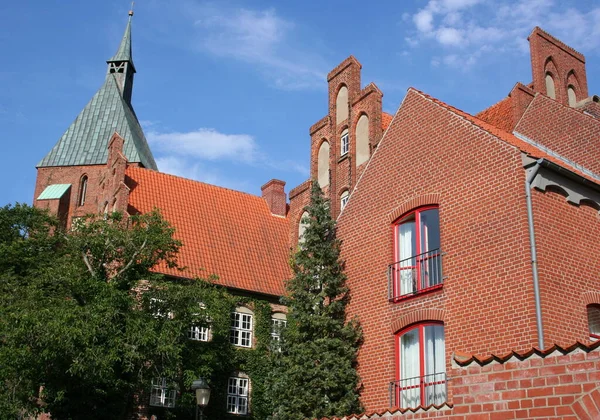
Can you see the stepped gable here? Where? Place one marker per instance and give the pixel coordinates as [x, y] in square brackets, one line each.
[226, 233]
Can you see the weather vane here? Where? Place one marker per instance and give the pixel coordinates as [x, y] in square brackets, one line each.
[131, 11]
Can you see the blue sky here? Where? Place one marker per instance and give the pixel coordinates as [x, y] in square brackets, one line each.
[227, 90]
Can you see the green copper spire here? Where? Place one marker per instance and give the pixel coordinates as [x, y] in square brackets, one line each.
[124, 51]
[86, 141]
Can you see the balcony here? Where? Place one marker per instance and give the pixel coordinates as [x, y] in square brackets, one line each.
[421, 391]
[414, 275]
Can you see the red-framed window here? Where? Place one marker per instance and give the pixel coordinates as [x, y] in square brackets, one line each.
[593, 313]
[417, 253]
[420, 366]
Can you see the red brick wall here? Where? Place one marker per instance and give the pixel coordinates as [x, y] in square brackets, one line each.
[487, 296]
[299, 199]
[567, 131]
[106, 183]
[368, 101]
[274, 194]
[558, 386]
[564, 61]
[567, 240]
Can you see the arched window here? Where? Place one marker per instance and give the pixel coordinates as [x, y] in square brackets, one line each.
[550, 91]
[278, 322]
[593, 313]
[82, 190]
[302, 227]
[344, 199]
[323, 165]
[238, 391]
[362, 140]
[572, 96]
[418, 263]
[341, 105]
[344, 143]
[420, 366]
[241, 327]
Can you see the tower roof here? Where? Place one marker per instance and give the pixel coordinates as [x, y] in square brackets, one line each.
[86, 141]
[124, 51]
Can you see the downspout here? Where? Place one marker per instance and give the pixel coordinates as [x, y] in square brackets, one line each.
[534, 268]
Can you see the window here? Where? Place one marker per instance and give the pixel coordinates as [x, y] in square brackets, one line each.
[278, 322]
[593, 313]
[237, 395]
[241, 328]
[421, 367]
[198, 332]
[345, 145]
[344, 199]
[417, 252]
[161, 395]
[83, 189]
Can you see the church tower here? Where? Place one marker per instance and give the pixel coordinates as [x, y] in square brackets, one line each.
[85, 170]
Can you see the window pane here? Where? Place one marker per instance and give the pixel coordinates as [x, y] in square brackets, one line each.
[435, 365]
[430, 230]
[593, 312]
[410, 367]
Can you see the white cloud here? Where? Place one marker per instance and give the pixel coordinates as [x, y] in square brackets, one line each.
[264, 39]
[206, 143]
[449, 36]
[424, 21]
[465, 28]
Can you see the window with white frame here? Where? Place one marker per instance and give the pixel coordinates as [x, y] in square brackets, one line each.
[161, 395]
[198, 332]
[344, 199]
[345, 143]
[278, 322]
[241, 327]
[237, 395]
[593, 313]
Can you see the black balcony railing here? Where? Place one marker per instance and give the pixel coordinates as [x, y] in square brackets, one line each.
[414, 274]
[419, 391]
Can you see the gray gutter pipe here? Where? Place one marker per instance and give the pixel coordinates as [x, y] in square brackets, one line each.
[536, 284]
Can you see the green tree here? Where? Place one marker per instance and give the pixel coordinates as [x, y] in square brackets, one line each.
[84, 324]
[314, 374]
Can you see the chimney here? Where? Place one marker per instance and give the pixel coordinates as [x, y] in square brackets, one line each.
[275, 197]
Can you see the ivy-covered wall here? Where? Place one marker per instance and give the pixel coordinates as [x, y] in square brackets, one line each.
[217, 360]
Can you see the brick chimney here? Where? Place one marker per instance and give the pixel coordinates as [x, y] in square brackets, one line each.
[274, 194]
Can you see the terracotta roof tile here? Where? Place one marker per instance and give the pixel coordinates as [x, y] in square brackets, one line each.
[224, 232]
[499, 115]
[386, 119]
[509, 138]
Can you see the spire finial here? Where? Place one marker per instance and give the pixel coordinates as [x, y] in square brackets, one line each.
[131, 10]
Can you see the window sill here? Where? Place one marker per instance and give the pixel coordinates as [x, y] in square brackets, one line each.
[343, 157]
[417, 293]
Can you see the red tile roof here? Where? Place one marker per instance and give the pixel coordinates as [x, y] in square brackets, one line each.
[509, 138]
[224, 232]
[499, 115]
[386, 119]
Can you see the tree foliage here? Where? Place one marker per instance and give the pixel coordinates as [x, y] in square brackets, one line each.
[314, 374]
[78, 338]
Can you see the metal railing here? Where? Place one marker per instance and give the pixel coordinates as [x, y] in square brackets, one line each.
[419, 391]
[414, 274]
